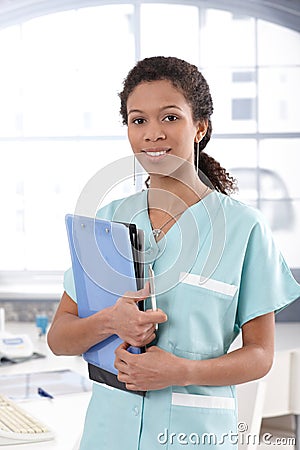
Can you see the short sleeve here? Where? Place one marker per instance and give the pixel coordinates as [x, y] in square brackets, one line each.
[267, 283]
[69, 285]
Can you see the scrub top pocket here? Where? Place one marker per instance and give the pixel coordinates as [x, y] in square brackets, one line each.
[202, 421]
[197, 316]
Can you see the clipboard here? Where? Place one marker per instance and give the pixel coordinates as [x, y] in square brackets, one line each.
[106, 261]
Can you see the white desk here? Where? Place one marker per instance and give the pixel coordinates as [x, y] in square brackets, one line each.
[65, 413]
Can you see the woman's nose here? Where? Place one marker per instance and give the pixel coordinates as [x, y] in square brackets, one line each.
[154, 132]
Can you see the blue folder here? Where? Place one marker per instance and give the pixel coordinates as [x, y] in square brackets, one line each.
[106, 261]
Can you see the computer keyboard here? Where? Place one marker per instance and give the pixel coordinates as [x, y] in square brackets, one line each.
[17, 426]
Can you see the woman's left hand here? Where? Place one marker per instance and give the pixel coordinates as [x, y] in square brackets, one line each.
[154, 369]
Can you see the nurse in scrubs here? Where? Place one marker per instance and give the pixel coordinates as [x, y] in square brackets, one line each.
[217, 273]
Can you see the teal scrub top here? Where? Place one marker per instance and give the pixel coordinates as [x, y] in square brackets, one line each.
[215, 269]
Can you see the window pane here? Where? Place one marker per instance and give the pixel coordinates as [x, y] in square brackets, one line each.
[238, 157]
[284, 219]
[60, 76]
[50, 106]
[282, 156]
[170, 30]
[36, 196]
[71, 79]
[105, 54]
[10, 82]
[12, 255]
[102, 155]
[277, 45]
[233, 153]
[234, 98]
[243, 109]
[227, 40]
[279, 99]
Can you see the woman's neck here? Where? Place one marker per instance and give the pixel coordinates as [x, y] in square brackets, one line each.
[173, 195]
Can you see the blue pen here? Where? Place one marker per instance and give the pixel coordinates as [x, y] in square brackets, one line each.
[43, 393]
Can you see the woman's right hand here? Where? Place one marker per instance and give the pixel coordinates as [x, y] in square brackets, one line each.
[132, 325]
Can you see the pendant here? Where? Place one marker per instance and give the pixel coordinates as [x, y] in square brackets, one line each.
[156, 232]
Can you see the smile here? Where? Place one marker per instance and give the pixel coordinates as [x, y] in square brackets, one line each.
[156, 153]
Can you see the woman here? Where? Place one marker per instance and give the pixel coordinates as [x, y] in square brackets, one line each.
[217, 272]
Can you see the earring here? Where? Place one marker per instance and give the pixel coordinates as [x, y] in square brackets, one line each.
[197, 156]
[134, 171]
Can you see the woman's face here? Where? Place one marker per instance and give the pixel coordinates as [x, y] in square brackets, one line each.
[160, 123]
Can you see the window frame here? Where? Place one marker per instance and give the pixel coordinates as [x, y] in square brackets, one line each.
[46, 285]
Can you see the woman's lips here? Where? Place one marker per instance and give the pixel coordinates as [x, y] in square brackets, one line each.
[156, 153]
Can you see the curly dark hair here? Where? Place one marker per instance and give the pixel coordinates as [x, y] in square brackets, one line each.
[189, 80]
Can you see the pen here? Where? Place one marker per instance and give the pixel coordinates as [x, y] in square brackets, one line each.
[152, 291]
[43, 393]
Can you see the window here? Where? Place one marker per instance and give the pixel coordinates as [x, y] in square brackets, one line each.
[243, 109]
[60, 124]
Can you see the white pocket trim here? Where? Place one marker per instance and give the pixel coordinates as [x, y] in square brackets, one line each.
[208, 283]
[202, 401]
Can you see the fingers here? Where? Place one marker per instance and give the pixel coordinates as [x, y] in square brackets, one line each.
[122, 356]
[122, 364]
[155, 316]
[122, 346]
[137, 296]
[150, 336]
[133, 325]
[143, 337]
[153, 349]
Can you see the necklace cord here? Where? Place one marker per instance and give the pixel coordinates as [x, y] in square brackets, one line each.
[157, 231]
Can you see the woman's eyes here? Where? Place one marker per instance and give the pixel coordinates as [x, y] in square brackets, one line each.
[138, 121]
[168, 118]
